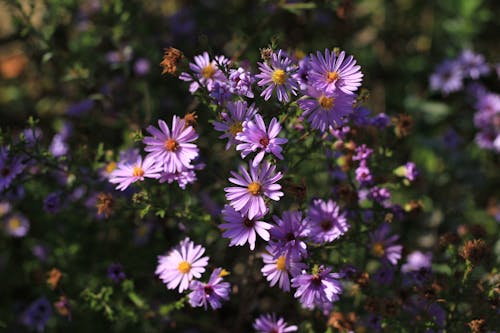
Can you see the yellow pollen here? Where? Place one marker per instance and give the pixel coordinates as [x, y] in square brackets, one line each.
[278, 77]
[110, 167]
[14, 223]
[171, 145]
[254, 188]
[326, 103]
[332, 76]
[281, 263]
[223, 273]
[184, 267]
[378, 249]
[236, 128]
[208, 71]
[138, 172]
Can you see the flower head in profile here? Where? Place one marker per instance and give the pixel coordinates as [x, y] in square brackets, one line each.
[330, 72]
[213, 292]
[241, 229]
[384, 246]
[278, 73]
[252, 187]
[232, 121]
[16, 225]
[324, 110]
[278, 268]
[256, 138]
[319, 288]
[128, 173]
[181, 265]
[206, 72]
[447, 77]
[289, 234]
[172, 148]
[268, 323]
[326, 222]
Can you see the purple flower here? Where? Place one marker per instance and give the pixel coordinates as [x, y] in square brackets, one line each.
[206, 72]
[411, 172]
[16, 225]
[363, 153]
[142, 66]
[381, 195]
[278, 268]
[302, 74]
[240, 82]
[213, 292]
[241, 229]
[447, 78]
[232, 123]
[270, 324]
[37, 314]
[473, 64]
[9, 168]
[288, 235]
[116, 273]
[384, 275]
[326, 222]
[58, 147]
[172, 149]
[127, 174]
[324, 110]
[330, 72]
[317, 289]
[279, 74]
[417, 260]
[181, 265]
[52, 202]
[383, 246]
[32, 136]
[381, 121]
[220, 93]
[248, 196]
[255, 138]
[183, 178]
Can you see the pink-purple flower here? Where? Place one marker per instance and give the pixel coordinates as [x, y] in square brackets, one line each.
[232, 122]
[320, 288]
[384, 246]
[128, 173]
[279, 267]
[16, 225]
[270, 324]
[326, 221]
[289, 234]
[205, 72]
[211, 293]
[248, 196]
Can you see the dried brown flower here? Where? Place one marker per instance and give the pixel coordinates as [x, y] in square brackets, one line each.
[342, 322]
[105, 203]
[403, 125]
[53, 278]
[190, 119]
[477, 325]
[475, 251]
[171, 58]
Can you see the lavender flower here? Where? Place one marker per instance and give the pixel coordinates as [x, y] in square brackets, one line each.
[172, 149]
[417, 260]
[248, 196]
[232, 122]
[37, 314]
[205, 71]
[288, 235]
[183, 178]
[363, 174]
[330, 72]
[10, 167]
[116, 273]
[362, 153]
[326, 222]
[127, 174]
[58, 147]
[221, 92]
[383, 246]
[473, 64]
[270, 324]
[241, 229]
[52, 203]
[319, 288]
[142, 66]
[254, 137]
[16, 225]
[181, 265]
[213, 292]
[411, 172]
[279, 74]
[241, 82]
[447, 77]
[278, 268]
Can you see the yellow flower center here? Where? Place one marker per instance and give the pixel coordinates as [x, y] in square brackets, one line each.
[378, 249]
[14, 223]
[236, 128]
[281, 263]
[326, 103]
[278, 77]
[138, 172]
[254, 188]
[110, 167]
[171, 145]
[332, 76]
[208, 71]
[184, 267]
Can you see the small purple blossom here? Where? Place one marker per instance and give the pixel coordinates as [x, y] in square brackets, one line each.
[447, 77]
[288, 235]
[213, 292]
[37, 314]
[363, 174]
[381, 121]
[248, 196]
[206, 72]
[270, 324]
[232, 122]
[317, 289]
[256, 138]
[221, 92]
[116, 273]
[127, 174]
[417, 260]
[16, 225]
[381, 195]
[473, 64]
[240, 82]
[326, 222]
[411, 172]
[52, 203]
[142, 66]
[384, 246]
[362, 153]
[279, 268]
[278, 74]
[10, 168]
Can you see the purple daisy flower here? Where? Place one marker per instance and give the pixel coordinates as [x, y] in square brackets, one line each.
[172, 149]
[183, 178]
[302, 74]
[248, 196]
[232, 122]
[279, 74]
[473, 64]
[363, 153]
[363, 174]
[383, 246]
[240, 229]
[16, 225]
[317, 289]
[241, 82]
[116, 273]
[9, 168]
[411, 172]
[325, 110]
[270, 324]
[279, 268]
[416, 261]
[127, 174]
[330, 72]
[254, 137]
[213, 292]
[37, 314]
[447, 77]
[181, 265]
[288, 235]
[206, 72]
[326, 222]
